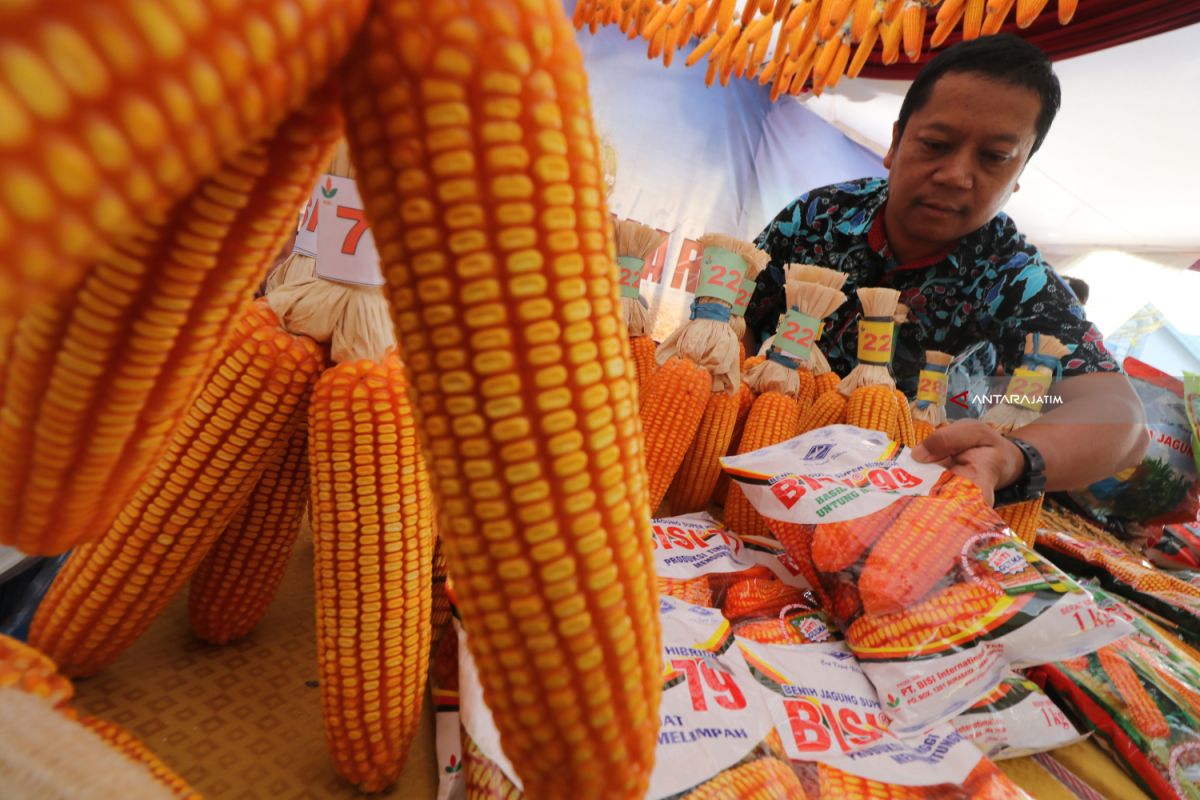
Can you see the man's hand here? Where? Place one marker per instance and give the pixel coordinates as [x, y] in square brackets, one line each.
[976, 451]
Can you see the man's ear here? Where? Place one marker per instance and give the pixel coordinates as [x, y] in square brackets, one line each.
[890, 154]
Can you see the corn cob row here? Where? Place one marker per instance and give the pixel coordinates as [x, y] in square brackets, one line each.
[99, 379]
[798, 540]
[838, 545]
[745, 402]
[696, 591]
[835, 783]
[470, 127]
[136, 751]
[235, 583]
[758, 596]
[641, 349]
[110, 591]
[672, 409]
[692, 489]
[766, 778]
[944, 615]
[114, 110]
[1143, 711]
[1024, 518]
[373, 536]
[773, 418]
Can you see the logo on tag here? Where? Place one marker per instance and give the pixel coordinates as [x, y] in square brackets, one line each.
[329, 190]
[818, 451]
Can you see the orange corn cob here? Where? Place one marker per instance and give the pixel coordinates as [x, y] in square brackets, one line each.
[1024, 518]
[696, 591]
[863, 52]
[100, 378]
[797, 540]
[373, 534]
[693, 487]
[956, 608]
[973, 18]
[642, 350]
[440, 615]
[874, 408]
[996, 14]
[29, 670]
[1066, 10]
[1028, 10]
[481, 180]
[773, 419]
[845, 602]
[825, 383]
[673, 407]
[905, 431]
[922, 430]
[1188, 696]
[912, 26]
[861, 19]
[110, 591]
[745, 401]
[946, 23]
[761, 779]
[838, 545]
[235, 583]
[829, 409]
[917, 552]
[113, 110]
[770, 630]
[837, 784]
[485, 780]
[136, 751]
[758, 596]
[1142, 709]
[890, 34]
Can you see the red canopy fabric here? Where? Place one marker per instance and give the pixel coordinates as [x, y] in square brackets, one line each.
[1097, 24]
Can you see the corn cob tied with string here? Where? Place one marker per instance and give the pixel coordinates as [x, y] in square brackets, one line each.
[691, 402]
[98, 380]
[481, 178]
[635, 243]
[928, 409]
[114, 111]
[824, 378]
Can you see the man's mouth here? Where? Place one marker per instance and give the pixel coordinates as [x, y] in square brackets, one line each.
[939, 208]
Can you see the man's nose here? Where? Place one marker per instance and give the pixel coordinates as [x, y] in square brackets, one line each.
[957, 170]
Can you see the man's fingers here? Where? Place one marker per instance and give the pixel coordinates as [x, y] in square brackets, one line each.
[953, 439]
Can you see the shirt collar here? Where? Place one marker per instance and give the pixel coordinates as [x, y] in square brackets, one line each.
[877, 239]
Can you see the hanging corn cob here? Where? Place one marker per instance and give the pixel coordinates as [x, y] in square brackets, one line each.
[929, 409]
[698, 377]
[110, 591]
[112, 111]
[635, 243]
[482, 182]
[99, 379]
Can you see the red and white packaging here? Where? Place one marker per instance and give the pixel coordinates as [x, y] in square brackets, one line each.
[1016, 719]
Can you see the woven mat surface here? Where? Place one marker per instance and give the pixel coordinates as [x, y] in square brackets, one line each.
[242, 721]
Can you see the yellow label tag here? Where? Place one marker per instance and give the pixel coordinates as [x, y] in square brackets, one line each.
[875, 342]
[1027, 387]
[931, 387]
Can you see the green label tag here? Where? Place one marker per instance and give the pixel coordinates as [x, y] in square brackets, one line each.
[631, 275]
[745, 292]
[797, 334]
[721, 275]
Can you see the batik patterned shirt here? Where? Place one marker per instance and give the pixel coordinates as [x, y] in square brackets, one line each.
[992, 286]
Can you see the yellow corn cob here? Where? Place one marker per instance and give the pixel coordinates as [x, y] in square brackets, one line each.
[890, 34]
[973, 18]
[761, 779]
[485, 780]
[947, 613]
[946, 22]
[692, 489]
[997, 11]
[863, 52]
[922, 430]
[439, 615]
[838, 545]
[861, 19]
[874, 408]
[112, 110]
[99, 379]
[235, 583]
[840, 60]
[773, 418]
[829, 409]
[672, 409]
[837, 784]
[835, 13]
[29, 670]
[695, 591]
[136, 751]
[745, 401]
[1142, 709]
[905, 434]
[1066, 10]
[1028, 10]
[918, 551]
[1024, 518]
[912, 24]
[373, 534]
[826, 382]
[482, 182]
[769, 630]
[110, 591]
[642, 350]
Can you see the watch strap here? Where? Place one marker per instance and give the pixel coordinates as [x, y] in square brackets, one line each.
[1031, 483]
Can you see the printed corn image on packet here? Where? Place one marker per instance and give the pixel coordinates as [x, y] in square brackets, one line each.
[937, 598]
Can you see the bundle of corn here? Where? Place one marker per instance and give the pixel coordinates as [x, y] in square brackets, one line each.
[113, 111]
[1022, 404]
[635, 243]
[692, 400]
[109, 591]
[929, 409]
[784, 386]
[825, 379]
[98, 380]
[482, 182]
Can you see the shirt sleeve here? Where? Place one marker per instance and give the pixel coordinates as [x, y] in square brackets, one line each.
[782, 242]
[1030, 297]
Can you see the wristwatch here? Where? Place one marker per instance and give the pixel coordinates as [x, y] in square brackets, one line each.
[1031, 483]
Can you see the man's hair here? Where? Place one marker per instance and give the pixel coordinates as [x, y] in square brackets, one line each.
[1003, 57]
[1079, 287]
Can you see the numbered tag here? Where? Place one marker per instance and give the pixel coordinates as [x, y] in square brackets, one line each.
[630, 270]
[721, 274]
[745, 292]
[797, 334]
[1027, 387]
[306, 234]
[345, 247]
[931, 387]
[875, 342]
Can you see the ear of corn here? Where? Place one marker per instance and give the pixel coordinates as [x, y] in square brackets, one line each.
[745, 401]
[922, 430]
[759, 596]
[1142, 709]
[1024, 518]
[773, 418]
[825, 383]
[692, 489]
[136, 751]
[874, 407]
[696, 591]
[797, 539]
[373, 534]
[100, 378]
[838, 545]
[114, 110]
[642, 350]
[440, 615]
[941, 616]
[31, 671]
[485, 780]
[672, 409]
[109, 592]
[470, 126]
[828, 409]
[835, 783]
[235, 583]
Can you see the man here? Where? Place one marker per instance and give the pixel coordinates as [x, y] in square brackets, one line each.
[933, 230]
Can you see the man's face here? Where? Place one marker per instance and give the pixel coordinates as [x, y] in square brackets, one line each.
[958, 160]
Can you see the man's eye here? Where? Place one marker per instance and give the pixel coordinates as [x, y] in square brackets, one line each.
[933, 145]
[995, 158]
